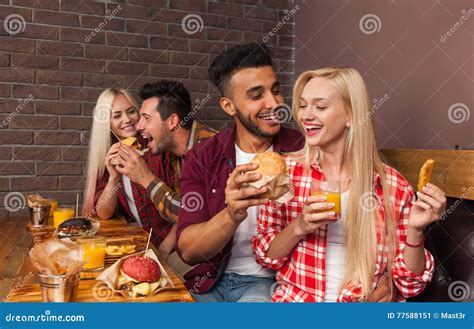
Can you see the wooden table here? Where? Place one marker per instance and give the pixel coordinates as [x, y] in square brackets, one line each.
[17, 270]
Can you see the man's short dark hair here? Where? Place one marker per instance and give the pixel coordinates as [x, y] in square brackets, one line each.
[173, 98]
[225, 65]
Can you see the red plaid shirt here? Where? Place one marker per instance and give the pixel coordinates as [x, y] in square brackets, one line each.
[301, 275]
[161, 166]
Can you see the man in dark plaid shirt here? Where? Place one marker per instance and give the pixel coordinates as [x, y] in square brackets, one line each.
[166, 121]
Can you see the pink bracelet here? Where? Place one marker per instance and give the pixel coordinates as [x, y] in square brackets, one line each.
[415, 245]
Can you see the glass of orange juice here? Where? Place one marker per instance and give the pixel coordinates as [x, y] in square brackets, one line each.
[93, 251]
[332, 191]
[61, 214]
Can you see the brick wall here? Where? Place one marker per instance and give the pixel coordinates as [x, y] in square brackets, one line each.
[59, 57]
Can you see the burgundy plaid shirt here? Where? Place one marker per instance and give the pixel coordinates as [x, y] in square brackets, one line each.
[206, 168]
[161, 166]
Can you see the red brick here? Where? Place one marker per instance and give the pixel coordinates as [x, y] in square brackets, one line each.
[72, 182]
[85, 7]
[53, 168]
[177, 31]
[188, 58]
[17, 167]
[35, 61]
[166, 70]
[149, 3]
[57, 138]
[65, 198]
[35, 31]
[285, 29]
[141, 27]
[127, 11]
[244, 24]
[148, 56]
[85, 136]
[14, 105]
[5, 90]
[127, 68]
[34, 183]
[82, 65]
[80, 94]
[78, 153]
[17, 45]
[9, 10]
[258, 38]
[43, 4]
[260, 12]
[4, 59]
[286, 41]
[87, 108]
[16, 74]
[224, 35]
[58, 78]
[198, 72]
[167, 15]
[168, 43]
[282, 53]
[80, 35]
[126, 40]
[194, 85]
[37, 91]
[202, 46]
[103, 80]
[33, 122]
[101, 23]
[137, 82]
[5, 153]
[4, 184]
[106, 52]
[36, 153]
[58, 108]
[59, 48]
[55, 18]
[189, 6]
[75, 123]
[226, 9]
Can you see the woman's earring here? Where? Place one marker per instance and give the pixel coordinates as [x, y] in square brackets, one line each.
[348, 125]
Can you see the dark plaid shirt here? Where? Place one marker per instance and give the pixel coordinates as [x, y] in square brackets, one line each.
[161, 165]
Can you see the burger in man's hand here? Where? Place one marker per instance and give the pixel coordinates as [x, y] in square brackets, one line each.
[133, 143]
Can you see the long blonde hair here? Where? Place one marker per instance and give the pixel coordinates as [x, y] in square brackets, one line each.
[100, 143]
[363, 159]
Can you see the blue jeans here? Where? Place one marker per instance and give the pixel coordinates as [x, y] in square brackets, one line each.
[233, 287]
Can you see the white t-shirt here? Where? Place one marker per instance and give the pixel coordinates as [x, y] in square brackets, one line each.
[336, 253]
[242, 260]
[127, 186]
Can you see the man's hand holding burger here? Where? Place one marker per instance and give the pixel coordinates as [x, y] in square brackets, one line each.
[132, 165]
[238, 196]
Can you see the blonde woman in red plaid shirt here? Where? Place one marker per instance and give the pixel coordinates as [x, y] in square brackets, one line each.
[333, 109]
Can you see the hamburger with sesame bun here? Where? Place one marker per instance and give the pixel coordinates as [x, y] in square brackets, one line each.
[269, 164]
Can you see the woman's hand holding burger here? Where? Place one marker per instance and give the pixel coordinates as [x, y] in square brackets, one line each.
[111, 157]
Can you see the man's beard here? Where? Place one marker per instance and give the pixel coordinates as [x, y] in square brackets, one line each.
[165, 144]
[251, 126]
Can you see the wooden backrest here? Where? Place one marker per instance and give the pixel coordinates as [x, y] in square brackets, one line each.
[454, 170]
